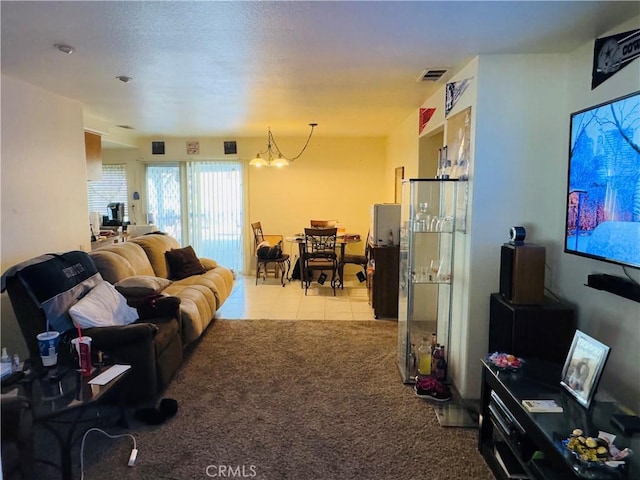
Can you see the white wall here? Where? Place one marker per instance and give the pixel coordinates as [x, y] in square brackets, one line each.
[520, 129]
[336, 178]
[520, 126]
[402, 151]
[613, 320]
[44, 188]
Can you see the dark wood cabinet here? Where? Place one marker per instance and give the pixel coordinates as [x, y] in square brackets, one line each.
[534, 331]
[519, 444]
[383, 284]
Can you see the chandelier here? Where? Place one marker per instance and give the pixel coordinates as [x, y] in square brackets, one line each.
[273, 157]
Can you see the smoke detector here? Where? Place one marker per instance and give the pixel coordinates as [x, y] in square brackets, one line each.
[432, 74]
[68, 49]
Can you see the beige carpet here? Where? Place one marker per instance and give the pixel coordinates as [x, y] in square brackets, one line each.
[293, 400]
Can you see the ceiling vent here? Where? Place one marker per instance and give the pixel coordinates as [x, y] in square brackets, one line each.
[432, 74]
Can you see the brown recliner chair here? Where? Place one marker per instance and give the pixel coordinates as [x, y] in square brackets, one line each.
[152, 345]
[17, 438]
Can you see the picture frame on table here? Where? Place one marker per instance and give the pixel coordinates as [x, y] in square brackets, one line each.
[583, 367]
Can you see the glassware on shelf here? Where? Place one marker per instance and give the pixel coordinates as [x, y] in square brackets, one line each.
[447, 224]
[413, 362]
[444, 270]
[434, 267]
[424, 357]
[422, 219]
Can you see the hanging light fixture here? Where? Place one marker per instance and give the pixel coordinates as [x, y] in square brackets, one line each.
[273, 157]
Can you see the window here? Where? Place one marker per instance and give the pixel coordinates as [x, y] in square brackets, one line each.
[201, 204]
[111, 188]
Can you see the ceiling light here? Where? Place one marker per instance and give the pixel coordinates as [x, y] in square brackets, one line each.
[274, 157]
[124, 78]
[68, 49]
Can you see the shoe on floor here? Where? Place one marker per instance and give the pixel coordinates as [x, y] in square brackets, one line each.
[155, 416]
[431, 389]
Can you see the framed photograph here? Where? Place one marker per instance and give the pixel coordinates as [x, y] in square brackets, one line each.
[157, 148]
[583, 367]
[193, 147]
[398, 185]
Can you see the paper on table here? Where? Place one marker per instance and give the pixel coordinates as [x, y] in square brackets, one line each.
[112, 372]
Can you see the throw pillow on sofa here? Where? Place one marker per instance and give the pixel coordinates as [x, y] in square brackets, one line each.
[142, 285]
[183, 263]
[103, 306]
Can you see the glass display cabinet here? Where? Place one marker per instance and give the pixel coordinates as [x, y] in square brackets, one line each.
[428, 216]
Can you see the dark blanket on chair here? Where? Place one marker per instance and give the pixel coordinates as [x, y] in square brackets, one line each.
[56, 282]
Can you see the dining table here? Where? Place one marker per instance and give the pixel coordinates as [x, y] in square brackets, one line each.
[342, 241]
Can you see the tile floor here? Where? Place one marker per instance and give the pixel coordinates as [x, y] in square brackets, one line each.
[269, 300]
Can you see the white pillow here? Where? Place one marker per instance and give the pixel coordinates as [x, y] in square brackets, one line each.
[103, 306]
[142, 285]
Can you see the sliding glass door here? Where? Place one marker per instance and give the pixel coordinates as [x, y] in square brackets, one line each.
[164, 199]
[201, 204]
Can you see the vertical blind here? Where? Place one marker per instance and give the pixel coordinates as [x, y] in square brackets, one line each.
[215, 211]
[200, 204]
[111, 188]
[164, 200]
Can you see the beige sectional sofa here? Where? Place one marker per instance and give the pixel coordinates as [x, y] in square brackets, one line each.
[142, 262]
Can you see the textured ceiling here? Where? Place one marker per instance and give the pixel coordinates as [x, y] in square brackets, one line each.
[235, 68]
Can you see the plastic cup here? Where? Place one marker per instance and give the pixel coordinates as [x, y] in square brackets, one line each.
[83, 348]
[48, 347]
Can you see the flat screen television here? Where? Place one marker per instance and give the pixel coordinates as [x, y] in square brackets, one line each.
[603, 192]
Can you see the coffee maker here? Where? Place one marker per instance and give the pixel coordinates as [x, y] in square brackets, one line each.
[116, 214]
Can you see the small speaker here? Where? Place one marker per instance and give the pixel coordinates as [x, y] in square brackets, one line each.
[522, 273]
[322, 278]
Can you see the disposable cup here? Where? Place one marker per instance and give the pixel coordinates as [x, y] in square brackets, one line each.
[83, 348]
[48, 347]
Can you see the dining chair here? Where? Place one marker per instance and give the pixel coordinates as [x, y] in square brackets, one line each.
[320, 254]
[270, 255]
[362, 260]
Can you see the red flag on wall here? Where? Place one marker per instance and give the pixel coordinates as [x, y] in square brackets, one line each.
[425, 116]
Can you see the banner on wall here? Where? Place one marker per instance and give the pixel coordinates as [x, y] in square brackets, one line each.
[425, 116]
[454, 91]
[611, 54]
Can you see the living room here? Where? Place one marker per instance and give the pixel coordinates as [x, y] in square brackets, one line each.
[521, 106]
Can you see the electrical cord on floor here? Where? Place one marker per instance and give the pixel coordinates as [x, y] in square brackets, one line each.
[132, 456]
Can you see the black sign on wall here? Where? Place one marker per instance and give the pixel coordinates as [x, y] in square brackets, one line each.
[612, 54]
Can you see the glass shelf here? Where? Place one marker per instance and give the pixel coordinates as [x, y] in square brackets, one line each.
[428, 221]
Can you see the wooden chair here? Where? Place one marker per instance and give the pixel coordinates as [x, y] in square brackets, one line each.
[281, 264]
[320, 254]
[355, 259]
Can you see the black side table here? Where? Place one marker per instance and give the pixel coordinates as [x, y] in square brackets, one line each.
[61, 396]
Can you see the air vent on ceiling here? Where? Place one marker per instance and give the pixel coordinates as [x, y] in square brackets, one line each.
[432, 74]
[126, 127]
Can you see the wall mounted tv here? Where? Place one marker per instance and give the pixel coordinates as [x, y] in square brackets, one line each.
[603, 194]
